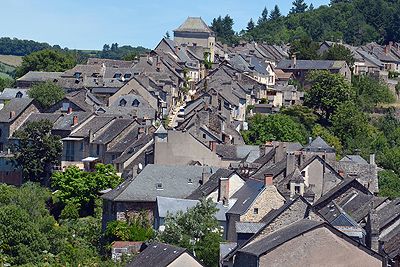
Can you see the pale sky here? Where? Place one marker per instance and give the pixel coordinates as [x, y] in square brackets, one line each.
[89, 24]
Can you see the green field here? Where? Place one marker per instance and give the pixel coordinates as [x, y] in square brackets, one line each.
[3, 75]
[11, 60]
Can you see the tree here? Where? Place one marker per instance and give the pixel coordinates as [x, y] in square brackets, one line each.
[45, 60]
[250, 25]
[197, 230]
[7, 83]
[278, 126]
[223, 28]
[275, 13]
[389, 184]
[46, 94]
[339, 52]
[302, 114]
[264, 16]
[311, 7]
[304, 49]
[298, 7]
[36, 149]
[327, 92]
[82, 188]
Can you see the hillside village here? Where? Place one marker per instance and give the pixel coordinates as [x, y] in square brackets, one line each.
[169, 122]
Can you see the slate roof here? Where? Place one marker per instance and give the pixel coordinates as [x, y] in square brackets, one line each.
[93, 125]
[353, 159]
[133, 148]
[280, 237]
[9, 93]
[311, 64]
[389, 212]
[225, 248]
[157, 255]
[193, 24]
[114, 129]
[38, 76]
[248, 227]
[173, 205]
[228, 151]
[111, 63]
[274, 169]
[126, 141]
[43, 116]
[66, 121]
[78, 98]
[130, 112]
[142, 103]
[161, 130]
[18, 105]
[246, 195]
[211, 185]
[371, 58]
[174, 180]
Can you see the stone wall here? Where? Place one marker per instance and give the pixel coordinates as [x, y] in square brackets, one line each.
[366, 174]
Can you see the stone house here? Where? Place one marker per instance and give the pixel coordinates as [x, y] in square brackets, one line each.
[12, 116]
[139, 193]
[310, 243]
[300, 68]
[9, 93]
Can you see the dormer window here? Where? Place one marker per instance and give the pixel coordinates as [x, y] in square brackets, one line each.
[127, 75]
[190, 181]
[135, 103]
[18, 95]
[117, 75]
[159, 186]
[122, 103]
[77, 75]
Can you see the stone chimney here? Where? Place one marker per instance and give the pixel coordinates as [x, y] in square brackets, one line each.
[75, 120]
[293, 61]
[262, 150]
[279, 151]
[290, 163]
[225, 48]
[176, 49]
[205, 176]
[268, 178]
[233, 48]
[372, 229]
[12, 114]
[224, 191]
[372, 158]
[214, 100]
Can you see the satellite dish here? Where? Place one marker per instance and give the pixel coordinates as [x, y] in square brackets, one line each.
[140, 166]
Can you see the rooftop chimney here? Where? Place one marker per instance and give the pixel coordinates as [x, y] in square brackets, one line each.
[75, 120]
[176, 49]
[372, 158]
[293, 61]
[205, 176]
[224, 191]
[268, 178]
[12, 114]
[69, 111]
[213, 145]
[341, 173]
[290, 163]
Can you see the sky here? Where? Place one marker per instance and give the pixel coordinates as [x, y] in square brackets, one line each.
[89, 24]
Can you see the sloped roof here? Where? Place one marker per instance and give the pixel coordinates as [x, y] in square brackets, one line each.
[158, 255]
[9, 93]
[93, 125]
[248, 227]
[353, 159]
[211, 185]
[246, 195]
[174, 182]
[66, 122]
[115, 128]
[17, 105]
[161, 130]
[311, 64]
[194, 24]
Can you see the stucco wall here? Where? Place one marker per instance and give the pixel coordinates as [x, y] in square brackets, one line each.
[184, 260]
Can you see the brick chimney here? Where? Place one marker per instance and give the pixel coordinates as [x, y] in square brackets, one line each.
[341, 173]
[268, 179]
[12, 114]
[224, 191]
[75, 120]
[69, 111]
[213, 145]
[176, 49]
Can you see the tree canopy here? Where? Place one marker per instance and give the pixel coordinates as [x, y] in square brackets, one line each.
[46, 94]
[197, 230]
[35, 149]
[46, 60]
[327, 92]
[223, 27]
[304, 49]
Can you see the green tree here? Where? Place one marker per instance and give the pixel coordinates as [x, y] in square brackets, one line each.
[302, 114]
[329, 138]
[264, 16]
[138, 228]
[275, 13]
[299, 6]
[46, 94]
[82, 188]
[36, 149]
[348, 122]
[250, 25]
[45, 60]
[197, 230]
[339, 52]
[328, 91]
[389, 184]
[278, 126]
[224, 29]
[7, 83]
[304, 49]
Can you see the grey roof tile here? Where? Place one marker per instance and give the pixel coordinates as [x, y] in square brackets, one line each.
[246, 195]
[17, 105]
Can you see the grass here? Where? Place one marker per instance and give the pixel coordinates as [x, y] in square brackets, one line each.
[11, 60]
[4, 76]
